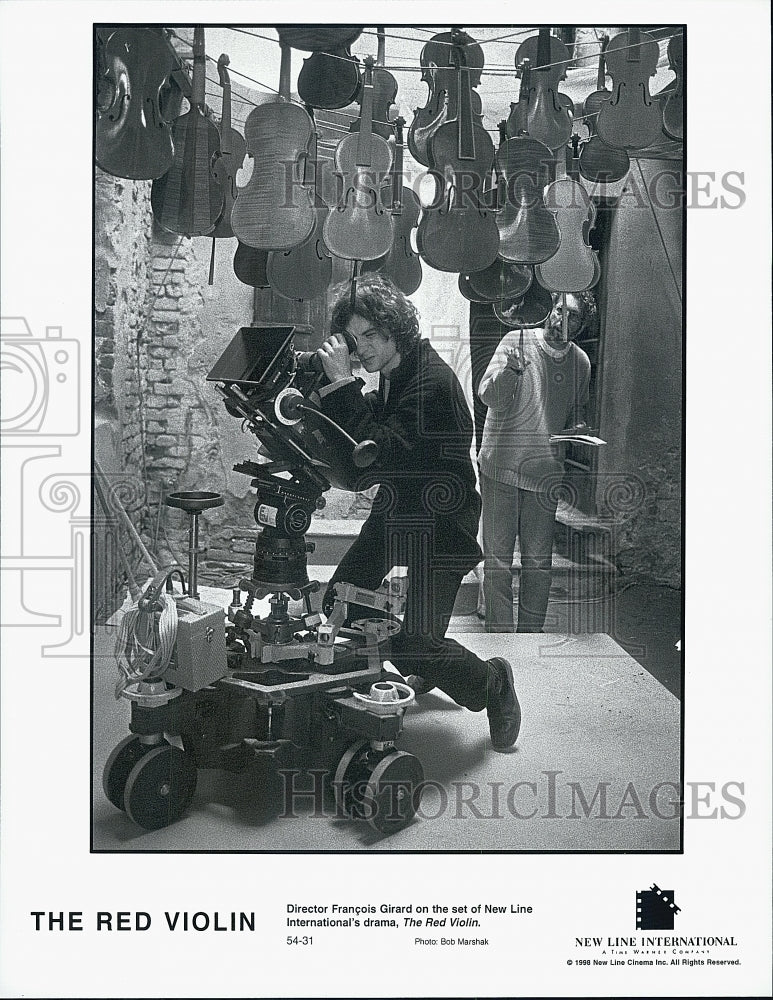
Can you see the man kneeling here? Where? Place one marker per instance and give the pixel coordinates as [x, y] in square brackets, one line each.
[425, 513]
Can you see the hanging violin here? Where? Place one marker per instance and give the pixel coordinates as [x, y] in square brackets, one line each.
[401, 264]
[305, 271]
[318, 37]
[384, 93]
[531, 310]
[133, 134]
[503, 280]
[330, 77]
[499, 282]
[457, 232]
[359, 228]
[574, 267]
[599, 162]
[630, 119]
[187, 199]
[439, 74]
[673, 108]
[547, 115]
[275, 209]
[230, 156]
[250, 266]
[528, 232]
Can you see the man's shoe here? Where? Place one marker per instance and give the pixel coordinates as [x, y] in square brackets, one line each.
[504, 712]
[419, 685]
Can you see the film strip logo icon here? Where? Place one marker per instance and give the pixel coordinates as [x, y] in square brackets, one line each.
[655, 909]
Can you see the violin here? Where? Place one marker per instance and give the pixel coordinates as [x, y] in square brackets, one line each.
[530, 311]
[528, 232]
[230, 156]
[278, 137]
[133, 130]
[250, 266]
[359, 228]
[401, 264]
[574, 267]
[630, 119]
[458, 232]
[500, 281]
[187, 199]
[673, 109]
[318, 37]
[546, 114]
[330, 77]
[439, 74]
[305, 271]
[384, 93]
[598, 162]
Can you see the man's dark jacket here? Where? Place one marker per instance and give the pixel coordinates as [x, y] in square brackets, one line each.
[424, 434]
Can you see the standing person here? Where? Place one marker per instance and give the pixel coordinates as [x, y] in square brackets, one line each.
[532, 391]
[426, 511]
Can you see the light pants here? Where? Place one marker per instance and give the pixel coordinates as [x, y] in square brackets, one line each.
[510, 513]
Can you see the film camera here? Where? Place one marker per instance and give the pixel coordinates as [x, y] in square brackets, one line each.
[215, 689]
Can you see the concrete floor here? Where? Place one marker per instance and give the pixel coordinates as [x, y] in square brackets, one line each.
[595, 722]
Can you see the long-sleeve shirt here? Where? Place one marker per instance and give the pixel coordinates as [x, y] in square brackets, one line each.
[524, 409]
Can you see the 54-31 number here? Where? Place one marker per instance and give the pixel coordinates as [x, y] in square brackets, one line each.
[306, 939]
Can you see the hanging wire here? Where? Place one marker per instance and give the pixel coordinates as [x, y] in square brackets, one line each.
[491, 71]
[660, 231]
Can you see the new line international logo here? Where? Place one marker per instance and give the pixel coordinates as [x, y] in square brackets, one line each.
[655, 909]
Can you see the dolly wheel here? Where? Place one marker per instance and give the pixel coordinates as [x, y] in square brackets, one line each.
[350, 777]
[393, 792]
[119, 765]
[160, 787]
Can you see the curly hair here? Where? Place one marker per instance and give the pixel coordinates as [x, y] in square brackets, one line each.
[382, 303]
[588, 309]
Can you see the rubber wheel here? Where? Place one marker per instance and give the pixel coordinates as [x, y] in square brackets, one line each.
[351, 772]
[160, 787]
[119, 765]
[392, 794]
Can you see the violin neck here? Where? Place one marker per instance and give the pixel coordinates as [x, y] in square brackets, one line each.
[397, 171]
[466, 150]
[564, 160]
[601, 79]
[198, 84]
[314, 149]
[284, 71]
[523, 93]
[381, 50]
[225, 138]
[364, 143]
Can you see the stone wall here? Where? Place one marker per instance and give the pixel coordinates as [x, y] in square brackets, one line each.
[122, 268]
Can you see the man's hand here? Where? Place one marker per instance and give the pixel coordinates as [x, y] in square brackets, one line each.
[334, 355]
[516, 360]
